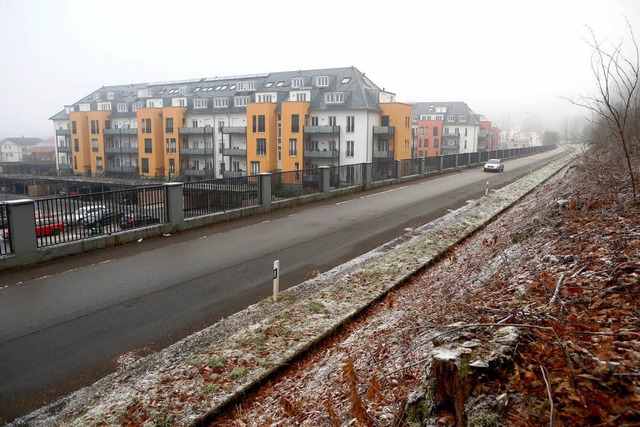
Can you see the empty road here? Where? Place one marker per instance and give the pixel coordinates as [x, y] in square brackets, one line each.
[63, 323]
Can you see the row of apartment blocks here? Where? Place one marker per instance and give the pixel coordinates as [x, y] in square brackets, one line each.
[244, 125]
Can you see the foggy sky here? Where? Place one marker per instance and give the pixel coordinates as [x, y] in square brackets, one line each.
[512, 61]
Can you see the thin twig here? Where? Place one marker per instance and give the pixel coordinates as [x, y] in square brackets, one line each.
[546, 382]
[556, 293]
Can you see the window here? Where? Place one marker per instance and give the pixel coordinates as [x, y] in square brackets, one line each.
[241, 101]
[136, 106]
[406, 145]
[322, 81]
[435, 143]
[148, 146]
[295, 123]
[220, 102]
[172, 165]
[261, 123]
[426, 143]
[334, 98]
[255, 168]
[145, 165]
[297, 82]
[457, 131]
[300, 96]
[76, 145]
[407, 122]
[345, 80]
[264, 98]
[451, 119]
[293, 147]
[351, 123]
[99, 163]
[74, 128]
[199, 103]
[332, 121]
[85, 107]
[384, 121]
[269, 84]
[245, 86]
[435, 131]
[95, 127]
[179, 102]
[94, 145]
[107, 124]
[350, 148]
[122, 108]
[104, 106]
[169, 125]
[144, 93]
[109, 95]
[75, 162]
[146, 125]
[261, 147]
[171, 145]
[422, 131]
[314, 121]
[462, 119]
[280, 84]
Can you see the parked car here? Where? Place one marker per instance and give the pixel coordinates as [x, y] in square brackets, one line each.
[79, 215]
[494, 165]
[138, 219]
[101, 217]
[44, 227]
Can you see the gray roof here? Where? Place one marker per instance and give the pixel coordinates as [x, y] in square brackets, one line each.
[457, 108]
[359, 92]
[26, 142]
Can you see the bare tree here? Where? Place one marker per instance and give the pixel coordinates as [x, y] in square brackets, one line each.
[615, 106]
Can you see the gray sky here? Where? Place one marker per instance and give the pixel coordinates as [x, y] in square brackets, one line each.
[509, 60]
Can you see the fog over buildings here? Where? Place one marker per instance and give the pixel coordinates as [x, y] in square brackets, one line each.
[515, 62]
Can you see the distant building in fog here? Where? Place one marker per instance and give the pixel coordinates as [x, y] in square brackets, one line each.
[14, 150]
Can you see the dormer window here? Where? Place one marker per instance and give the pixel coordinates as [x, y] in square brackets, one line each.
[220, 102]
[122, 108]
[199, 103]
[322, 81]
[144, 93]
[265, 97]
[109, 95]
[241, 101]
[247, 86]
[179, 102]
[451, 119]
[462, 119]
[136, 106]
[297, 82]
[334, 98]
[104, 106]
[85, 107]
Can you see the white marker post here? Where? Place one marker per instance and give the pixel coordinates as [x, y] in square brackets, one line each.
[486, 189]
[276, 280]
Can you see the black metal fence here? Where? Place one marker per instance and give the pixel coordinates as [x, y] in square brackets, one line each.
[5, 231]
[287, 185]
[219, 195]
[72, 218]
[431, 165]
[347, 176]
[381, 171]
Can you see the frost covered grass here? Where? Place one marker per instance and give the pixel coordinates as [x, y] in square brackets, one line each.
[205, 372]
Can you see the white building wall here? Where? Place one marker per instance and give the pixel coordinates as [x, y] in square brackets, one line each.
[364, 121]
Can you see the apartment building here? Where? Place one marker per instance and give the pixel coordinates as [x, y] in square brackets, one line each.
[452, 127]
[233, 126]
[14, 150]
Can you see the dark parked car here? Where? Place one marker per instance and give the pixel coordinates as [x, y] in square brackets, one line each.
[101, 218]
[494, 165]
[138, 219]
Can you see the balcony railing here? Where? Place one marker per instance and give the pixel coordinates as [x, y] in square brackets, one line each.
[195, 172]
[232, 174]
[123, 169]
[196, 151]
[234, 129]
[451, 135]
[383, 154]
[64, 166]
[234, 152]
[63, 131]
[121, 131]
[384, 130]
[207, 130]
[324, 154]
[64, 149]
[121, 150]
[322, 129]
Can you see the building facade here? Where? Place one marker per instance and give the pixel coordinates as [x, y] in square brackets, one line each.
[14, 150]
[233, 126]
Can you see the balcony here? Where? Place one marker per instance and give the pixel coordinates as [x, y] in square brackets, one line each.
[324, 154]
[121, 131]
[384, 130]
[232, 174]
[64, 149]
[331, 130]
[64, 166]
[234, 152]
[63, 132]
[383, 154]
[195, 172]
[451, 135]
[240, 130]
[207, 130]
[449, 148]
[121, 150]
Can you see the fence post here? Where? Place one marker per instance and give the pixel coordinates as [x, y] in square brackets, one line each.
[174, 200]
[398, 171]
[325, 178]
[457, 160]
[22, 228]
[441, 164]
[368, 174]
[423, 165]
[264, 189]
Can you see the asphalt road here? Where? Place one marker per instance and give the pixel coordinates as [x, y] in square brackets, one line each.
[64, 323]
